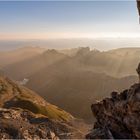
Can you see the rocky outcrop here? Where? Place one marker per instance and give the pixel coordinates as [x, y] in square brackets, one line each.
[117, 117]
[23, 124]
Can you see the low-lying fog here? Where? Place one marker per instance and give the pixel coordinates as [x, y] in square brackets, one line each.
[97, 43]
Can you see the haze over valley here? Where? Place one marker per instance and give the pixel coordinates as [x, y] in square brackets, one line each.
[69, 70]
[72, 78]
[99, 43]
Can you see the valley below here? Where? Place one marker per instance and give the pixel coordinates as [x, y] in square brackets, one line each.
[70, 79]
[74, 78]
[69, 70]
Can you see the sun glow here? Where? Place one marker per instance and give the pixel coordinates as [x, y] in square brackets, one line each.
[63, 35]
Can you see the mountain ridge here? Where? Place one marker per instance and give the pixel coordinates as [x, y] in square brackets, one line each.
[78, 77]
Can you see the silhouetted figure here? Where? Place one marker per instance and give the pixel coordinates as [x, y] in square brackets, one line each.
[138, 71]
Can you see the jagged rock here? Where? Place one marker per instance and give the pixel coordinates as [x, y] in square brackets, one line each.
[117, 117]
[23, 124]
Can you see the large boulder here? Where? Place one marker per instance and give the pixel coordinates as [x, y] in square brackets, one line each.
[117, 117]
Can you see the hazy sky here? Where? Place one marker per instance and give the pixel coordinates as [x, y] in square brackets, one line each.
[42, 20]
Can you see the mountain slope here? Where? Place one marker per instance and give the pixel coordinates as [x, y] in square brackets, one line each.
[13, 95]
[69, 86]
[116, 63]
[22, 111]
[32, 65]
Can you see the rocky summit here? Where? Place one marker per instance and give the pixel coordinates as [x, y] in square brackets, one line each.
[117, 117]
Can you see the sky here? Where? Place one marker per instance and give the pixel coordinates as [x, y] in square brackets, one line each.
[68, 19]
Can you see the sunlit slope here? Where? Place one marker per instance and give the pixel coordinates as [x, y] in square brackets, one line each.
[117, 62]
[32, 65]
[13, 95]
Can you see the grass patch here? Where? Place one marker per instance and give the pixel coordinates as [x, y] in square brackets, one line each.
[50, 111]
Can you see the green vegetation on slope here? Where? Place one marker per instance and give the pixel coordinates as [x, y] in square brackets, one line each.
[49, 110]
[13, 95]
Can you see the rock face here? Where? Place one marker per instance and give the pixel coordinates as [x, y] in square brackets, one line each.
[117, 117]
[23, 124]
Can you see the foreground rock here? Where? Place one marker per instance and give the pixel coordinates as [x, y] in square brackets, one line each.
[22, 124]
[117, 117]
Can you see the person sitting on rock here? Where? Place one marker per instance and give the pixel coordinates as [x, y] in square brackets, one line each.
[138, 71]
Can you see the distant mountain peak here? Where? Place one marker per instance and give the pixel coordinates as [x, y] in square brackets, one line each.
[83, 50]
[51, 52]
